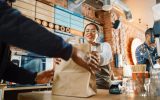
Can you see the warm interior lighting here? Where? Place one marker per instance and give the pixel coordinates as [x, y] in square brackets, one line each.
[107, 5]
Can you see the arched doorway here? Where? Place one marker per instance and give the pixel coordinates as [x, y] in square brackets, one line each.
[135, 43]
[132, 44]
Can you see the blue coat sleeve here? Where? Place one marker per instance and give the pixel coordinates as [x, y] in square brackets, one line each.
[22, 32]
[17, 74]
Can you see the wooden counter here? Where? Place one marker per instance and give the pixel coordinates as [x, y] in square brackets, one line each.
[101, 95]
[11, 92]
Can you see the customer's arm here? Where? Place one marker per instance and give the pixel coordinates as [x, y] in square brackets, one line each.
[17, 74]
[20, 75]
[22, 32]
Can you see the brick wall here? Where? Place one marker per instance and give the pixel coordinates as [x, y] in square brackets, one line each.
[124, 37]
[108, 35]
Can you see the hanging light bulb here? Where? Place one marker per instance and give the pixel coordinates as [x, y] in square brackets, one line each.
[107, 5]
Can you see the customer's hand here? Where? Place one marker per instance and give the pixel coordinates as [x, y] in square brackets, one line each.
[89, 61]
[44, 76]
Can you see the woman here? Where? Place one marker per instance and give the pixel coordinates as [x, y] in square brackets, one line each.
[103, 77]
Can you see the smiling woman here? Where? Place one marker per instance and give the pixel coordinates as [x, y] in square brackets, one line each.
[91, 34]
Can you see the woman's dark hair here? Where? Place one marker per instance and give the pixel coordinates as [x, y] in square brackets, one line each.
[149, 31]
[97, 28]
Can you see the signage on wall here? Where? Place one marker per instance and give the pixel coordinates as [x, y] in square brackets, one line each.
[54, 18]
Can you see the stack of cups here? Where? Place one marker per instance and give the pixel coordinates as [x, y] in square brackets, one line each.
[139, 77]
[154, 82]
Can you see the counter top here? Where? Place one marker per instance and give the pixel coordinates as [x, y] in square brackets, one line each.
[101, 95]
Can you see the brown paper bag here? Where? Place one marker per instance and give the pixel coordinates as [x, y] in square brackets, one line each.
[71, 79]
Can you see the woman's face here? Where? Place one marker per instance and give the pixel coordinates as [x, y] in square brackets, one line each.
[90, 33]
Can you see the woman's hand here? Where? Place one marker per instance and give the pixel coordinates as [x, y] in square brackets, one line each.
[89, 61]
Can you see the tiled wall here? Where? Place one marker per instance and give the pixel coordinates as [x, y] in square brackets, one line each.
[54, 17]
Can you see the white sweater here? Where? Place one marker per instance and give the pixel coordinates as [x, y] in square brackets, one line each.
[106, 53]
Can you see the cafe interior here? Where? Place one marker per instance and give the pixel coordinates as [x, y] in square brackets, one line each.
[129, 31]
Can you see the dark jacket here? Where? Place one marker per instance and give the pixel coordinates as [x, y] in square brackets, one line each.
[19, 31]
